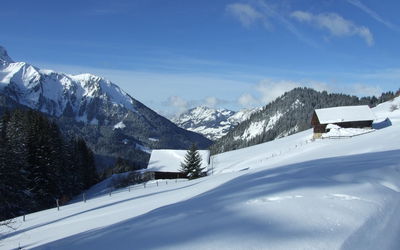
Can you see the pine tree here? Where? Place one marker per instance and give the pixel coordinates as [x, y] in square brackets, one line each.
[43, 160]
[37, 164]
[191, 166]
[13, 175]
[85, 164]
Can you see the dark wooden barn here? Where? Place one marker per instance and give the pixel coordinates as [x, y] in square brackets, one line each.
[345, 117]
[168, 175]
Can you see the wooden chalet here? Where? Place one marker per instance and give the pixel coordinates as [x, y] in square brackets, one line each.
[345, 117]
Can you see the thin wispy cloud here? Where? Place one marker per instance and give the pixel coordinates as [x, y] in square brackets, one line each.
[390, 74]
[373, 14]
[247, 100]
[271, 11]
[213, 102]
[246, 14]
[335, 24]
[261, 12]
[270, 90]
[360, 89]
[178, 103]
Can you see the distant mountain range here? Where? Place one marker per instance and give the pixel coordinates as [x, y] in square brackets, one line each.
[112, 122]
[213, 123]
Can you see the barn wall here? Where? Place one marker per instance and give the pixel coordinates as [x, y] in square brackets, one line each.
[321, 128]
[314, 120]
[168, 175]
[359, 124]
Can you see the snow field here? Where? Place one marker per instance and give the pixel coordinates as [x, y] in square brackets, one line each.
[291, 193]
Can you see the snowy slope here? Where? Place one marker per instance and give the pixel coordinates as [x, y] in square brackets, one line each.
[213, 123]
[290, 193]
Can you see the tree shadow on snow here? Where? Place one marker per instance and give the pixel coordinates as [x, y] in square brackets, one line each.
[210, 215]
[5, 236]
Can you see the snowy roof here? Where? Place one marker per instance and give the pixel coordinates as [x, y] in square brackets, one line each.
[345, 114]
[169, 160]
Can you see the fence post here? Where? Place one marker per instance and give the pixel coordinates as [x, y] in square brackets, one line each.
[157, 183]
[144, 184]
[23, 217]
[110, 192]
[58, 205]
[212, 165]
[129, 188]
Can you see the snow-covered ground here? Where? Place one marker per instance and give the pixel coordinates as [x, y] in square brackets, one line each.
[291, 193]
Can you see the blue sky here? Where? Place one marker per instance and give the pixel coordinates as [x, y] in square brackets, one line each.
[172, 55]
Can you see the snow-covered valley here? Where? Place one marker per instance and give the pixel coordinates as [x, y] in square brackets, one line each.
[290, 193]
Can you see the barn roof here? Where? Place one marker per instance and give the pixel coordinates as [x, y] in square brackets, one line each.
[344, 114]
[169, 160]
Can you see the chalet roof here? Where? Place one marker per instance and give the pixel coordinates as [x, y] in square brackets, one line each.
[169, 160]
[345, 114]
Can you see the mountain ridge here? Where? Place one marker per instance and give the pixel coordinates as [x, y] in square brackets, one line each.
[212, 123]
[90, 106]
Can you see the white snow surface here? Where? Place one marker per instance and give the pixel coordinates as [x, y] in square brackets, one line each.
[290, 193]
[346, 132]
[257, 128]
[169, 160]
[119, 125]
[345, 114]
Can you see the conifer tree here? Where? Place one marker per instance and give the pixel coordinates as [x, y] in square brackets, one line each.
[37, 164]
[191, 166]
[13, 176]
[85, 164]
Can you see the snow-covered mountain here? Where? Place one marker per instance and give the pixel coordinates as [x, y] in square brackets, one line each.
[213, 123]
[290, 193]
[80, 96]
[114, 123]
[286, 115]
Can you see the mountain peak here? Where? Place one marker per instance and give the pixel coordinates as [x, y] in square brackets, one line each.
[213, 123]
[86, 77]
[4, 58]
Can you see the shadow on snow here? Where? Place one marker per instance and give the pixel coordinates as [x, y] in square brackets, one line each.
[210, 215]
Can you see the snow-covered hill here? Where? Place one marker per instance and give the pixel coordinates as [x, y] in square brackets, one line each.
[213, 123]
[286, 115]
[290, 193]
[92, 100]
